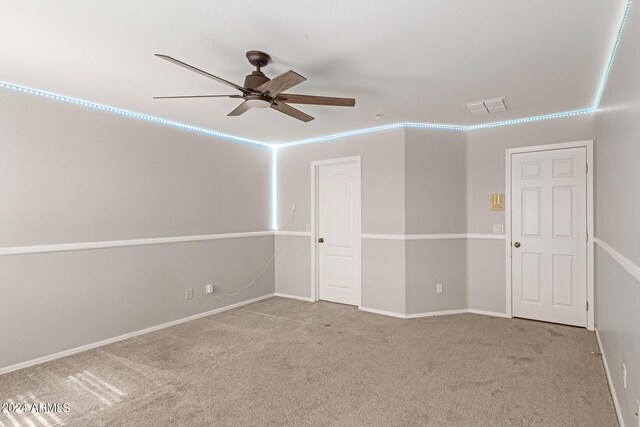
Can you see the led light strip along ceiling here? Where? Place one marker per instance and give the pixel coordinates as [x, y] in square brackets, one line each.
[131, 114]
[605, 77]
[274, 189]
[218, 134]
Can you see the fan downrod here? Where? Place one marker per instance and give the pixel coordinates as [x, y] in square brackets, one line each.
[258, 58]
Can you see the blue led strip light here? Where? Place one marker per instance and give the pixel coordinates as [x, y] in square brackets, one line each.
[349, 133]
[532, 119]
[605, 77]
[300, 142]
[342, 135]
[274, 188]
[438, 127]
[130, 114]
[372, 130]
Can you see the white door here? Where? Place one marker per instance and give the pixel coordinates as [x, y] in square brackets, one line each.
[549, 235]
[339, 232]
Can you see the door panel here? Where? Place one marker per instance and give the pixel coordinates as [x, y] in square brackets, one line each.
[531, 212]
[549, 222]
[531, 277]
[563, 282]
[563, 214]
[338, 214]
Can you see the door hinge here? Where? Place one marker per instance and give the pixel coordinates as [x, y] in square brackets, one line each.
[587, 169]
[587, 236]
[587, 305]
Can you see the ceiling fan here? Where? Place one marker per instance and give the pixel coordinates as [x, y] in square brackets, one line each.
[259, 91]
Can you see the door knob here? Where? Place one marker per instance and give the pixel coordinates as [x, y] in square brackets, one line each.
[516, 244]
[321, 240]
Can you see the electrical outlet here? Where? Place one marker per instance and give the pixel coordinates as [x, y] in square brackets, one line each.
[498, 228]
[208, 288]
[624, 375]
[439, 288]
[189, 293]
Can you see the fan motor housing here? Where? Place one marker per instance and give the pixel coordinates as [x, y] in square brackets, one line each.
[255, 79]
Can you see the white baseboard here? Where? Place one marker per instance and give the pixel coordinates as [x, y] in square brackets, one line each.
[86, 347]
[412, 315]
[609, 381]
[489, 313]
[435, 313]
[278, 294]
[382, 312]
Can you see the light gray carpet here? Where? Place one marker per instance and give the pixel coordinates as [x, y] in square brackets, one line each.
[284, 362]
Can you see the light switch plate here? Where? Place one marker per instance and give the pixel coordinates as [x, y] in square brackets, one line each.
[498, 228]
[497, 201]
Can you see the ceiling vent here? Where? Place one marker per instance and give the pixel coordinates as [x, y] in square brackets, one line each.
[486, 106]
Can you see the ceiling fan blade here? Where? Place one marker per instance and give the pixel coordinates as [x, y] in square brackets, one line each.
[201, 72]
[290, 111]
[242, 108]
[197, 96]
[316, 100]
[281, 83]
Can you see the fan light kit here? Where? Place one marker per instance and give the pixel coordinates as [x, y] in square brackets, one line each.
[259, 91]
[258, 103]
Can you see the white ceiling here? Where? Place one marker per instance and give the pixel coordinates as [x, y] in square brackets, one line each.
[412, 60]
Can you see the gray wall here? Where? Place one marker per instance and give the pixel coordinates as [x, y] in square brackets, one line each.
[429, 262]
[293, 266]
[436, 181]
[435, 203]
[486, 283]
[383, 212]
[486, 175]
[58, 301]
[382, 156]
[617, 224]
[384, 275]
[70, 174]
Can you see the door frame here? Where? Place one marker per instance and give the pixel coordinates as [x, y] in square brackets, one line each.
[588, 144]
[315, 167]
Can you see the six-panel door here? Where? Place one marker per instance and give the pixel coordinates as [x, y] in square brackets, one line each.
[549, 235]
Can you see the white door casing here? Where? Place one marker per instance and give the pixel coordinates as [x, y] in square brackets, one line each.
[337, 225]
[549, 227]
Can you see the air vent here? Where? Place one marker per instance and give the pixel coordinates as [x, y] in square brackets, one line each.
[486, 106]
